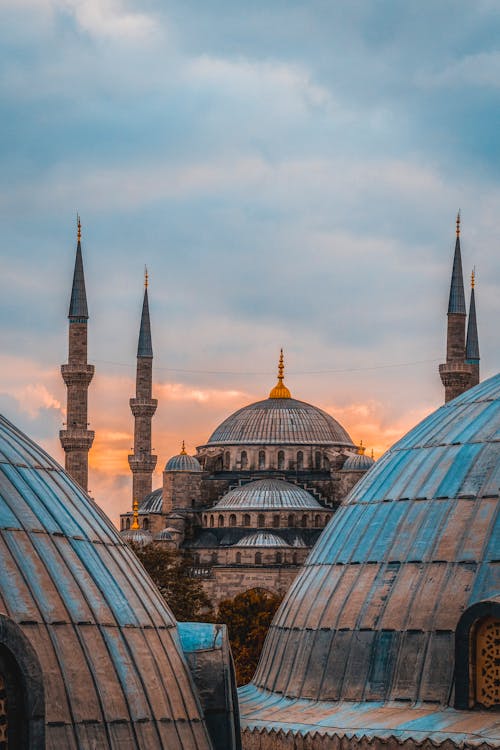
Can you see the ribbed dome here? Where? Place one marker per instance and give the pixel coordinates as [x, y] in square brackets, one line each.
[152, 502]
[267, 494]
[280, 421]
[163, 536]
[78, 607]
[372, 615]
[359, 462]
[182, 462]
[262, 539]
[141, 537]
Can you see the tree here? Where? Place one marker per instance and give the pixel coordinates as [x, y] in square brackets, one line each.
[248, 617]
[171, 572]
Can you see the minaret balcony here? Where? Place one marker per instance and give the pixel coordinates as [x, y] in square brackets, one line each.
[143, 407]
[142, 463]
[77, 374]
[75, 439]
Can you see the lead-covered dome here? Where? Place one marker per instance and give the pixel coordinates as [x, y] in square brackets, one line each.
[374, 614]
[267, 494]
[262, 539]
[80, 618]
[183, 462]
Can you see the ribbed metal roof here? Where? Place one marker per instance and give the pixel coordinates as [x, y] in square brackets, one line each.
[182, 462]
[163, 536]
[152, 502]
[359, 462]
[267, 494]
[280, 421]
[141, 537]
[106, 642]
[372, 615]
[262, 539]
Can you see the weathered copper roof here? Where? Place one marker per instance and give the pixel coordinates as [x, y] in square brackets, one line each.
[267, 494]
[106, 642]
[373, 613]
[280, 421]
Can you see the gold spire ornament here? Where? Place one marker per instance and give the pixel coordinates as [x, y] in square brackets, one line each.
[183, 449]
[146, 277]
[473, 278]
[458, 223]
[135, 509]
[361, 449]
[78, 228]
[280, 390]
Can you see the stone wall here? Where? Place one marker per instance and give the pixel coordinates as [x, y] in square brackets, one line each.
[227, 582]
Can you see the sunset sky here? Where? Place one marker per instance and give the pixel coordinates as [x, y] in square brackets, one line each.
[289, 172]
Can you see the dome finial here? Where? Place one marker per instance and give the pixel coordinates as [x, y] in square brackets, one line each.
[473, 278]
[183, 449]
[78, 228]
[458, 223]
[361, 449]
[280, 390]
[135, 509]
[146, 277]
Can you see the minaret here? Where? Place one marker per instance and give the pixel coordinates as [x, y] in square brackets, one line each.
[456, 373]
[76, 439]
[472, 342]
[142, 463]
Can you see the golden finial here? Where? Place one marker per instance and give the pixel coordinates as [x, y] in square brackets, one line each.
[135, 509]
[280, 390]
[146, 277]
[458, 223]
[373, 457]
[183, 449]
[361, 449]
[473, 278]
[78, 228]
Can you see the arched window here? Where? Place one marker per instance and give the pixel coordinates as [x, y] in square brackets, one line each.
[258, 558]
[246, 520]
[205, 520]
[238, 558]
[300, 461]
[295, 558]
[276, 521]
[215, 558]
[244, 460]
[145, 524]
[317, 521]
[279, 557]
[303, 521]
[477, 656]
[281, 459]
[127, 523]
[261, 520]
[326, 463]
[227, 460]
[221, 521]
[211, 522]
[262, 459]
[291, 520]
[317, 460]
[232, 520]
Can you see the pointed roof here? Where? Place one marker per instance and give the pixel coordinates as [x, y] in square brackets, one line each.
[78, 303]
[145, 346]
[456, 302]
[472, 344]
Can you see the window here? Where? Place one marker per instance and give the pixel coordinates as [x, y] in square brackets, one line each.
[487, 687]
[232, 520]
[238, 558]
[276, 521]
[258, 558]
[317, 521]
[227, 460]
[279, 557]
[281, 459]
[261, 520]
[291, 520]
[215, 558]
[246, 520]
[303, 522]
[295, 558]
[477, 657]
[317, 460]
[211, 522]
[221, 521]
[300, 461]
[127, 523]
[244, 460]
[262, 459]
[145, 524]
[205, 520]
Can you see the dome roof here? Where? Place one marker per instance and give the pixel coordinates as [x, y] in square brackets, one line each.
[82, 613]
[182, 462]
[163, 536]
[267, 494]
[373, 612]
[141, 537]
[358, 462]
[152, 502]
[280, 421]
[262, 539]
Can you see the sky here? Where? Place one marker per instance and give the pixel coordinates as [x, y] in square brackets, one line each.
[290, 173]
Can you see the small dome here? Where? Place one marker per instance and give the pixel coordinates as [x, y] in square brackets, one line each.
[141, 537]
[183, 462]
[267, 494]
[359, 462]
[164, 536]
[152, 502]
[262, 539]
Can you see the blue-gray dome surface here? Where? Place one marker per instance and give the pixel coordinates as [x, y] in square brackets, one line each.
[106, 643]
[372, 614]
[183, 462]
[152, 502]
[261, 539]
[280, 421]
[359, 462]
[141, 537]
[267, 494]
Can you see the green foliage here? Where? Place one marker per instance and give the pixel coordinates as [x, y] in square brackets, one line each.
[248, 617]
[170, 570]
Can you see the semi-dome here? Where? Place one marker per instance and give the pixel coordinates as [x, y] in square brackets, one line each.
[183, 462]
[400, 576]
[267, 494]
[261, 539]
[90, 647]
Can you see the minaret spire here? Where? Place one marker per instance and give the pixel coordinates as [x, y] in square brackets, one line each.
[76, 439]
[456, 373]
[142, 462]
[472, 342]
[280, 390]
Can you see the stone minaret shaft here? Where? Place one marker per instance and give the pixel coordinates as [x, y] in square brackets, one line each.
[76, 439]
[456, 372]
[142, 462]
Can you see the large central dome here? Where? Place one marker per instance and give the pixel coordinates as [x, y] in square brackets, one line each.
[280, 421]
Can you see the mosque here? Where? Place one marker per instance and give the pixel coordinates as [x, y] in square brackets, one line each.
[389, 636]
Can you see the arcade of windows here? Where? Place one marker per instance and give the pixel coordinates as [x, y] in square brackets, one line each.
[292, 520]
[283, 461]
